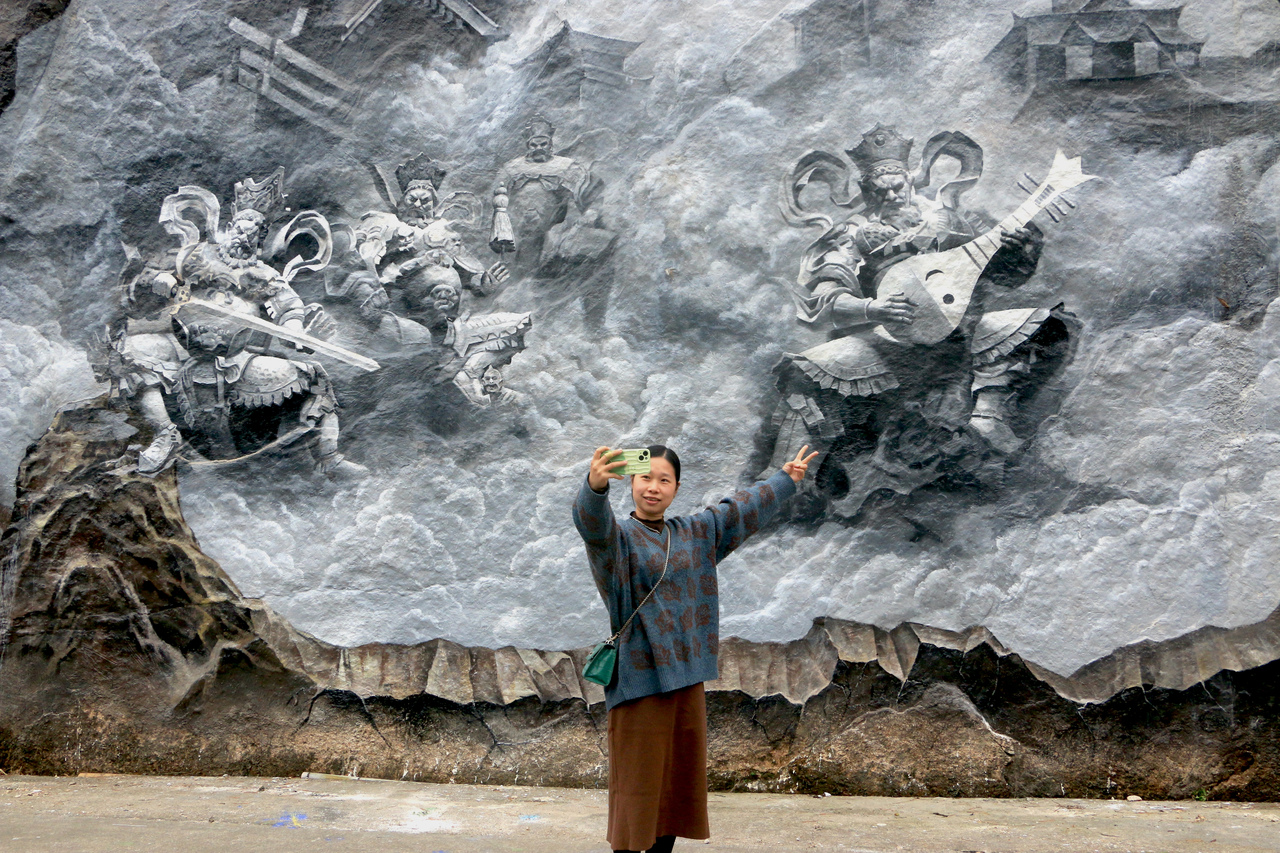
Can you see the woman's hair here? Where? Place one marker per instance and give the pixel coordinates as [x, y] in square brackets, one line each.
[659, 451]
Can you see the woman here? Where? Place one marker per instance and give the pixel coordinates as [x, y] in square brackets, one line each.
[663, 570]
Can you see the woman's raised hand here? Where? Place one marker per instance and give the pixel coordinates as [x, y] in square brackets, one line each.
[796, 468]
[605, 463]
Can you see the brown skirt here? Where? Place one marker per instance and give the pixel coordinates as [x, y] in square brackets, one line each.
[658, 768]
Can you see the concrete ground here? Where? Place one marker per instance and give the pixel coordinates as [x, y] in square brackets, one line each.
[142, 814]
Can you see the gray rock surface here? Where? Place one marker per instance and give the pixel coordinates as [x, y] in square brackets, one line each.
[1141, 510]
[144, 657]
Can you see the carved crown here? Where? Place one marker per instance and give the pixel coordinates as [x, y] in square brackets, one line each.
[880, 147]
[420, 171]
[538, 126]
[265, 195]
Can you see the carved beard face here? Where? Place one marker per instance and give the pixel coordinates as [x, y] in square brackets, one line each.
[491, 381]
[889, 191]
[539, 149]
[242, 241]
[445, 300]
[418, 205]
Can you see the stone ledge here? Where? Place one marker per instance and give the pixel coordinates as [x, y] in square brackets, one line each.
[796, 670]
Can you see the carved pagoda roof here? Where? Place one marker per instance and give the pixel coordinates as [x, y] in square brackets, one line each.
[1095, 5]
[1071, 6]
[459, 14]
[595, 57]
[824, 10]
[1104, 27]
[583, 48]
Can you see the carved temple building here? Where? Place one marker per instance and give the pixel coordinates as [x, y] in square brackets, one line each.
[310, 58]
[1082, 40]
[580, 70]
[824, 36]
[829, 25]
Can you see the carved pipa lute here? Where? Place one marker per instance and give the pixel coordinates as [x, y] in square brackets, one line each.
[941, 284]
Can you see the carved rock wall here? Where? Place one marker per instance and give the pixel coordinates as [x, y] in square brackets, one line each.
[145, 658]
[1125, 555]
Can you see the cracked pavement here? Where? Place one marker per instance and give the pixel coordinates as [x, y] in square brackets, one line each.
[150, 814]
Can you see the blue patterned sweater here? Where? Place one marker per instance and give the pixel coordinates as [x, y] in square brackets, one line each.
[673, 641]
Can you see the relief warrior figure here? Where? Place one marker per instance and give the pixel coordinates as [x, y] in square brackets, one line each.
[392, 261]
[917, 380]
[477, 348]
[407, 273]
[208, 352]
[542, 207]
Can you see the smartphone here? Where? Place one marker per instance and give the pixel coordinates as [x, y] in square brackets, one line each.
[637, 461]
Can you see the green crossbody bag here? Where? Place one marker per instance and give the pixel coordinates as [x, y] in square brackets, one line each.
[602, 663]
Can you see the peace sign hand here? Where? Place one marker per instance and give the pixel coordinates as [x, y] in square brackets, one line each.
[797, 467]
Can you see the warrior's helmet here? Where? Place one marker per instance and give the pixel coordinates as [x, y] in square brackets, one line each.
[265, 195]
[538, 135]
[420, 172]
[881, 150]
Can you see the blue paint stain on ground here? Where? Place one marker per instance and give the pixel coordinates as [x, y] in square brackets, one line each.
[529, 817]
[290, 821]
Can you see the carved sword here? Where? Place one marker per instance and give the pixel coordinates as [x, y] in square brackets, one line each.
[295, 337]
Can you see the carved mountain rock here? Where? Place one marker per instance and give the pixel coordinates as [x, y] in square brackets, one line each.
[127, 649]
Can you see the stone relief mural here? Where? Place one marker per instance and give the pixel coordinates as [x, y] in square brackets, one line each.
[207, 322]
[206, 349]
[540, 189]
[375, 277]
[902, 281]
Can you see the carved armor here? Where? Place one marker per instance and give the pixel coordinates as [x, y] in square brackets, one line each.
[440, 245]
[999, 333]
[849, 365]
[890, 408]
[196, 350]
[398, 251]
[149, 359]
[540, 204]
[268, 381]
[482, 346]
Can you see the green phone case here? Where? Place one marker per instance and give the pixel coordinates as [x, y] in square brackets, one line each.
[637, 461]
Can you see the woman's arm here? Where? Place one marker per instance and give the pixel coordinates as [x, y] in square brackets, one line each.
[605, 466]
[735, 518]
[593, 516]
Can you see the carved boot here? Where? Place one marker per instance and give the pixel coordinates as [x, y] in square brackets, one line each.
[335, 466]
[796, 431]
[329, 461]
[161, 452]
[988, 420]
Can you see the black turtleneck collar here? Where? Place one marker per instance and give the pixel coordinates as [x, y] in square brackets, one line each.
[656, 526]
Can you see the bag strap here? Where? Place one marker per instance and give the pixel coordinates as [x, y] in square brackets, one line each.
[666, 559]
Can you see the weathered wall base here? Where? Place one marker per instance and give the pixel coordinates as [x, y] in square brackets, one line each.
[128, 650]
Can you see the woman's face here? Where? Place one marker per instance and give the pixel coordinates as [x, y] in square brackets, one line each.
[653, 492]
